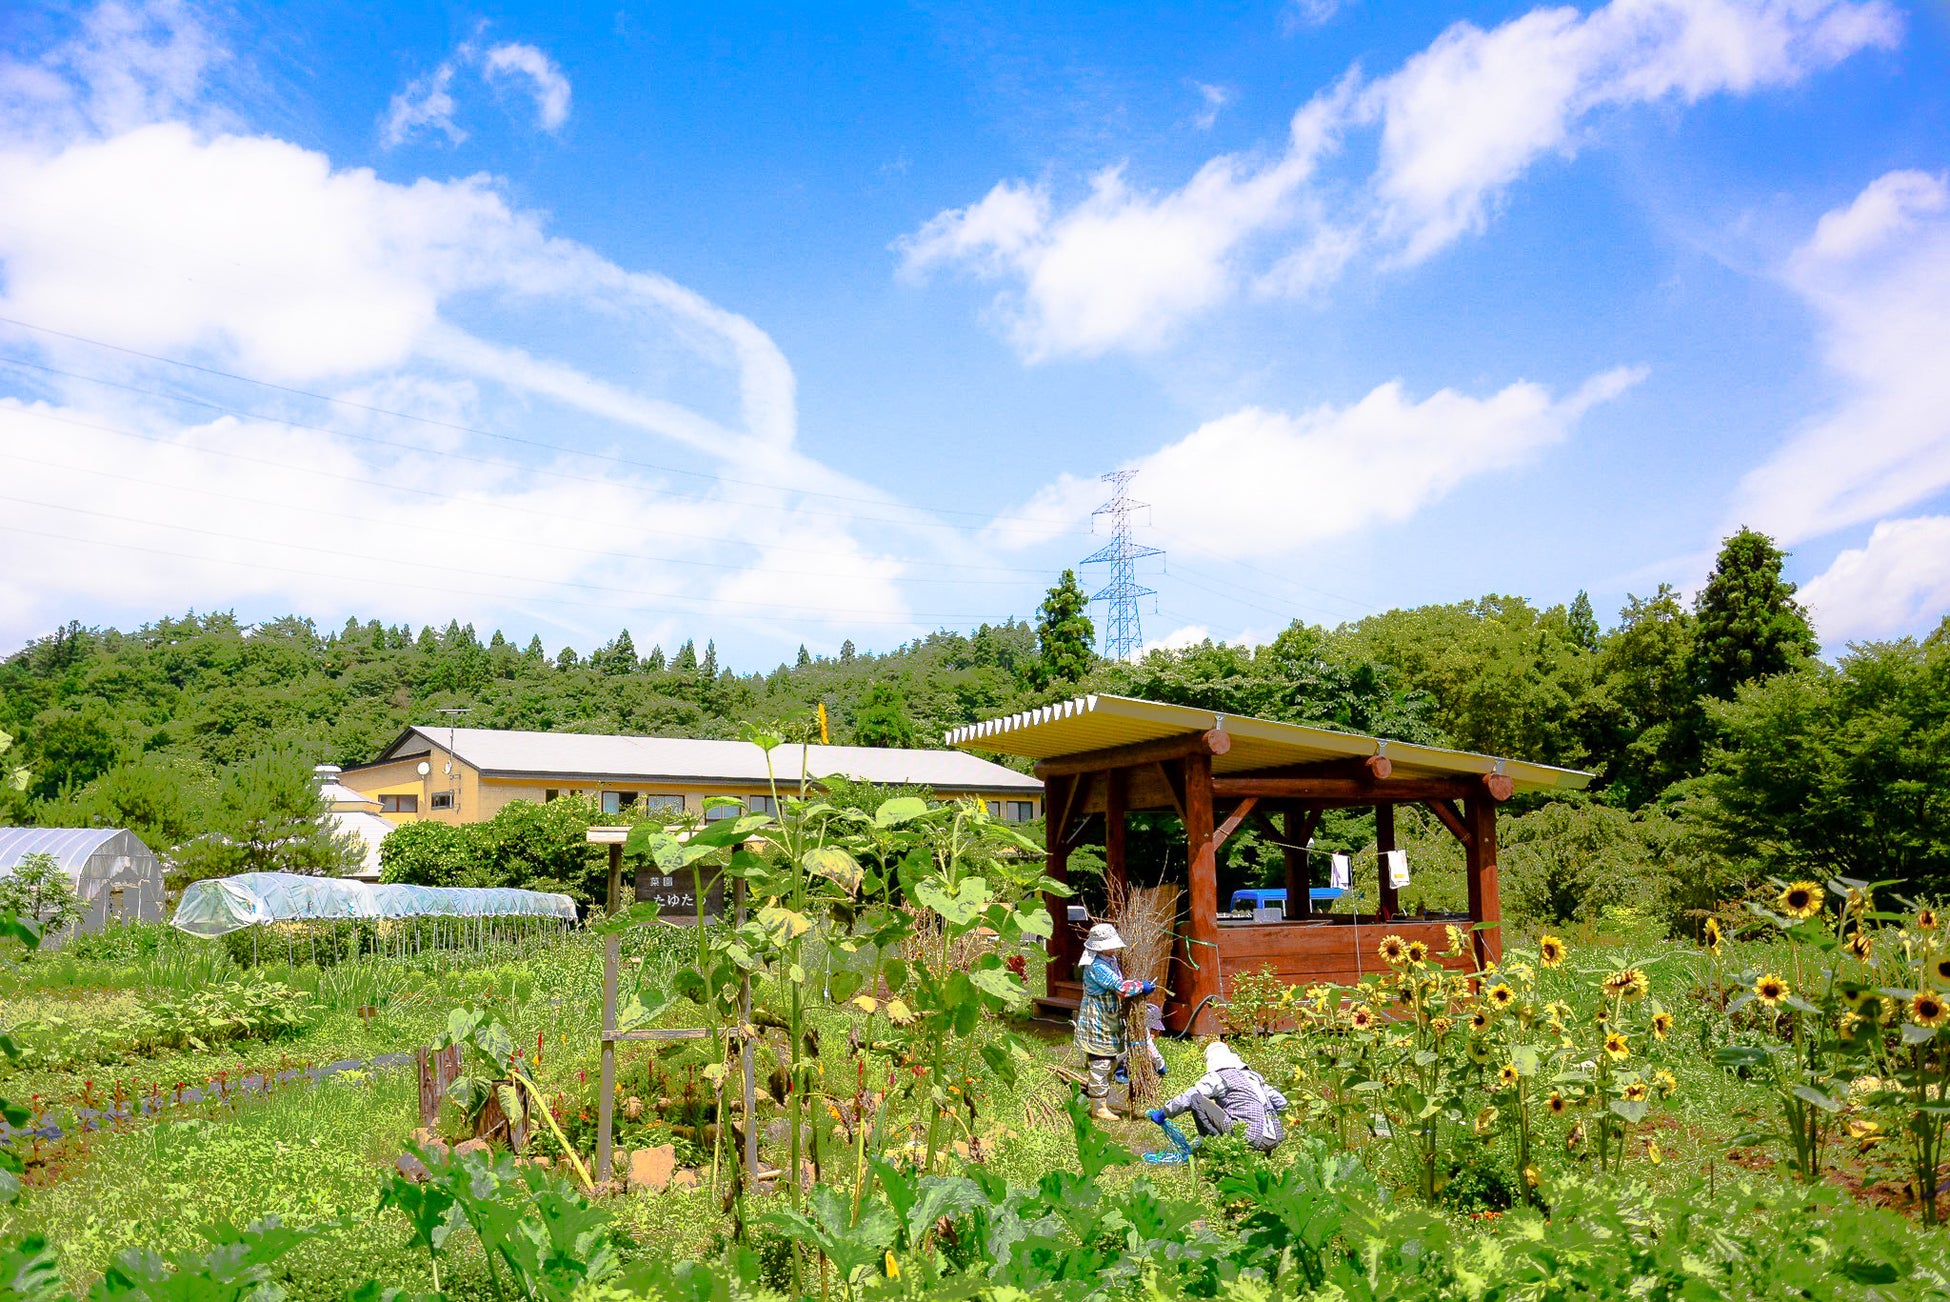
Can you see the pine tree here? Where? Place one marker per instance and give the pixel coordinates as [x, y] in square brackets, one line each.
[567, 658]
[805, 657]
[1064, 632]
[655, 660]
[1748, 624]
[619, 657]
[534, 654]
[709, 669]
[686, 661]
[1583, 622]
[846, 652]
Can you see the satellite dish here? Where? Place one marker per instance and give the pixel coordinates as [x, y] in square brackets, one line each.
[448, 767]
[425, 768]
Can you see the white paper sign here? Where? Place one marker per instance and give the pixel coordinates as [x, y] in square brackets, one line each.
[1397, 865]
[1340, 872]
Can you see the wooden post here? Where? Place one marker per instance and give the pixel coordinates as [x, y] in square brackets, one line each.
[1202, 940]
[1116, 787]
[1056, 802]
[1384, 841]
[615, 877]
[1293, 857]
[1479, 857]
[606, 1102]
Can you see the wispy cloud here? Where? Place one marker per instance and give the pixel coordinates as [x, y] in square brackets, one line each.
[1455, 126]
[1896, 583]
[427, 102]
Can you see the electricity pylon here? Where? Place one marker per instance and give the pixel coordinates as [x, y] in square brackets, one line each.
[1123, 634]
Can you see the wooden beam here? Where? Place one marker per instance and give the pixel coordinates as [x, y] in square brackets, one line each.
[1079, 832]
[1300, 825]
[1208, 744]
[1233, 820]
[1061, 959]
[1174, 784]
[1384, 841]
[1479, 861]
[1377, 768]
[1059, 797]
[1202, 939]
[1450, 817]
[1347, 790]
[1499, 786]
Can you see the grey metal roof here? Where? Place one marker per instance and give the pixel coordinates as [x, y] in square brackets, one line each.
[71, 846]
[507, 753]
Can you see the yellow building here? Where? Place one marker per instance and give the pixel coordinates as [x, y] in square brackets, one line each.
[465, 775]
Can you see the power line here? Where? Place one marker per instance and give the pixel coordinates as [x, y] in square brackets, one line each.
[1123, 631]
[442, 424]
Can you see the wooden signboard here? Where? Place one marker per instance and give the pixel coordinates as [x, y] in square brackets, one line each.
[674, 892]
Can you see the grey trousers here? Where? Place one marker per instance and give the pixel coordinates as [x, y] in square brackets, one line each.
[1098, 1087]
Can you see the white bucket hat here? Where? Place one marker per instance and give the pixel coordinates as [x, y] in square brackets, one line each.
[1219, 1056]
[1102, 939]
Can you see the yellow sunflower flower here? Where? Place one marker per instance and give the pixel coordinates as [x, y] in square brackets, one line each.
[1360, 1019]
[1942, 969]
[1550, 951]
[1636, 1091]
[1801, 900]
[1771, 990]
[1502, 996]
[1661, 1025]
[1926, 920]
[1393, 948]
[1928, 1009]
[1418, 951]
[1556, 1103]
[1617, 1047]
[1629, 984]
[1710, 934]
[1667, 1083]
[1861, 944]
[1507, 1075]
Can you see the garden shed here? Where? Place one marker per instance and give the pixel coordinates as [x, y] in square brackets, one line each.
[1103, 757]
[110, 870]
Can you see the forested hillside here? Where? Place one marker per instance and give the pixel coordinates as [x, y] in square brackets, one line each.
[142, 728]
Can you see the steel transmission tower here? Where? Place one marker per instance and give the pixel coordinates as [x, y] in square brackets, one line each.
[1122, 633]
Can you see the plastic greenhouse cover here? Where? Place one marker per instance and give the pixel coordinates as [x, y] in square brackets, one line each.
[218, 906]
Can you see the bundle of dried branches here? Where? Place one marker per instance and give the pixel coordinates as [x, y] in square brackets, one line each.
[926, 946]
[1146, 917]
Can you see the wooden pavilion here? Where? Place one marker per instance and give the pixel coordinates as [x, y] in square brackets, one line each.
[1103, 757]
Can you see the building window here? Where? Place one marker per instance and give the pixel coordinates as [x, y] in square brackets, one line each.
[399, 804]
[717, 812]
[615, 802]
[653, 803]
[1021, 811]
[551, 793]
[442, 800]
[995, 808]
[762, 805]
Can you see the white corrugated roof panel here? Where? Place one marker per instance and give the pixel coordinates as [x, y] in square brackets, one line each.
[509, 753]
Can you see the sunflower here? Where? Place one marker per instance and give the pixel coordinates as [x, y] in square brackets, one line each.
[1616, 1047]
[1479, 1020]
[1502, 996]
[1485, 1122]
[1667, 1083]
[1507, 1074]
[1405, 996]
[1458, 939]
[1418, 951]
[1942, 969]
[1360, 1019]
[1928, 1009]
[1860, 944]
[1629, 984]
[1710, 934]
[1636, 1092]
[1556, 1104]
[1801, 900]
[1393, 948]
[1771, 990]
[1926, 919]
[1550, 951]
[1661, 1024]
[1440, 1025]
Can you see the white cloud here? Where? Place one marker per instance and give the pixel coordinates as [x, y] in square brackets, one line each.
[1460, 122]
[1311, 13]
[1878, 272]
[1179, 639]
[1898, 583]
[256, 256]
[1214, 98]
[428, 102]
[1376, 461]
[127, 65]
[545, 81]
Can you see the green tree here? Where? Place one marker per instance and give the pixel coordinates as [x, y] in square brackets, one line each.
[1065, 637]
[805, 657]
[270, 817]
[1841, 771]
[38, 889]
[685, 661]
[1747, 623]
[619, 657]
[883, 719]
[1582, 622]
[1639, 729]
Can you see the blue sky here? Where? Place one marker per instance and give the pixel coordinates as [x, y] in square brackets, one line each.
[783, 328]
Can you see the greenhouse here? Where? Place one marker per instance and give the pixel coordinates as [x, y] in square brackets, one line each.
[110, 870]
[220, 905]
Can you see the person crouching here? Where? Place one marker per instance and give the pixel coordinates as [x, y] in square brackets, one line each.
[1100, 1032]
[1230, 1094]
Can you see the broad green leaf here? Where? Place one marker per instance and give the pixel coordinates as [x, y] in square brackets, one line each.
[1809, 1094]
[998, 981]
[843, 984]
[783, 924]
[899, 810]
[1633, 1110]
[834, 864]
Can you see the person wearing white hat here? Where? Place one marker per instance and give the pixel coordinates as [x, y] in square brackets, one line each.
[1230, 1094]
[1100, 1013]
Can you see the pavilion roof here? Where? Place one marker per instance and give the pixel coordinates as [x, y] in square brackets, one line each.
[1099, 721]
